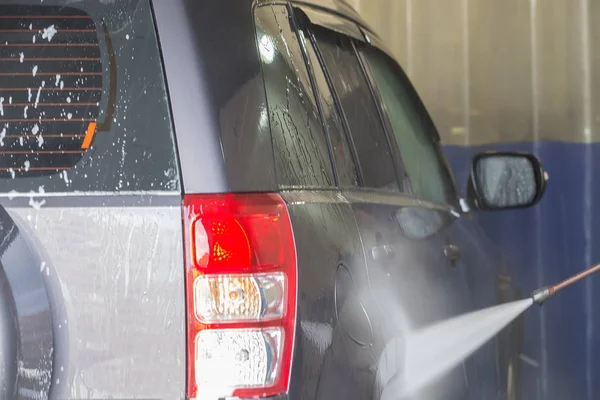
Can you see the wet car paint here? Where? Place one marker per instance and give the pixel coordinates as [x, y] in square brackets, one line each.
[27, 335]
[326, 237]
[415, 285]
[223, 142]
[113, 267]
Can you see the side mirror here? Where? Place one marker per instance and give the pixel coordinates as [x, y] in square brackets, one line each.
[505, 180]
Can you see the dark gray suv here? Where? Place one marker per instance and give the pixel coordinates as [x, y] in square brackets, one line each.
[209, 199]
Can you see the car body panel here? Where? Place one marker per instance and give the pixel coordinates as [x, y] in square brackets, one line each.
[326, 240]
[217, 95]
[415, 285]
[482, 270]
[26, 332]
[114, 269]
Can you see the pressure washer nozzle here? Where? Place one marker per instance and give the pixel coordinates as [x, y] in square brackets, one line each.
[540, 295]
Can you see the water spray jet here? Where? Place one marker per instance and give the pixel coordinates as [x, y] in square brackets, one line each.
[542, 294]
[431, 351]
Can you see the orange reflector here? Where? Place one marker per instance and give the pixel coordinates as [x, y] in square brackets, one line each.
[89, 135]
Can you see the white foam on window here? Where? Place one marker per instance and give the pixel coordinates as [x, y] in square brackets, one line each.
[49, 32]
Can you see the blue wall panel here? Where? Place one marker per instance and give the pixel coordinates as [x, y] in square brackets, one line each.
[547, 243]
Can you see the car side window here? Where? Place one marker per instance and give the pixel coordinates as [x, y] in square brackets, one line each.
[359, 109]
[413, 131]
[299, 143]
[347, 174]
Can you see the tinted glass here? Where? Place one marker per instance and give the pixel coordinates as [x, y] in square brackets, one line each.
[413, 131]
[83, 105]
[344, 162]
[359, 109]
[299, 143]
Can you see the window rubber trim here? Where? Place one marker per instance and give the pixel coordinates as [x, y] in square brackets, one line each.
[398, 164]
[422, 110]
[301, 37]
[338, 105]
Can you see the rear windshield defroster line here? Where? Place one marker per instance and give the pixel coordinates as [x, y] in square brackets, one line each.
[83, 104]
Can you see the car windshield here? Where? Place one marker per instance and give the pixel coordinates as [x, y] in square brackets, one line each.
[83, 103]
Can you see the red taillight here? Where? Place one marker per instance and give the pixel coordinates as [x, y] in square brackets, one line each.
[241, 295]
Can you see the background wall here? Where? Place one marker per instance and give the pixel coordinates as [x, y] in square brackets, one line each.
[521, 75]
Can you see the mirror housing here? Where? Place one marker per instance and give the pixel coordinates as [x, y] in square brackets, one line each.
[505, 180]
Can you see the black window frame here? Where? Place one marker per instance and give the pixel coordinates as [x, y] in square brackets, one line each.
[300, 15]
[314, 92]
[376, 44]
[397, 162]
[401, 174]
[297, 26]
[301, 23]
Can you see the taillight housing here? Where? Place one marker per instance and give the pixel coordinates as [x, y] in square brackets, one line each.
[241, 295]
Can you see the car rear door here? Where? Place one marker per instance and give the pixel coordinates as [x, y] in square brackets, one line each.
[409, 261]
[471, 266]
[330, 259]
[90, 183]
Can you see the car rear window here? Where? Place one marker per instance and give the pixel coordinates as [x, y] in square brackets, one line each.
[83, 102]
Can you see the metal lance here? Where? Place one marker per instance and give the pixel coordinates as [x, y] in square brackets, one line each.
[540, 295]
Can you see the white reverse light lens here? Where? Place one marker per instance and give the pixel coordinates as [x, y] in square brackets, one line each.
[222, 298]
[228, 359]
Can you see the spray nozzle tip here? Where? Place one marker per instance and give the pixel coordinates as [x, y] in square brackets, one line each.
[540, 295]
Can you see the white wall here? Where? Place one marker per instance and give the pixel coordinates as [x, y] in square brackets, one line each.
[498, 70]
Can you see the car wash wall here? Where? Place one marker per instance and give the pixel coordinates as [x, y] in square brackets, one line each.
[525, 76]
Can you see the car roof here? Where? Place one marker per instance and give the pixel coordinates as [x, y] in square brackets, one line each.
[339, 7]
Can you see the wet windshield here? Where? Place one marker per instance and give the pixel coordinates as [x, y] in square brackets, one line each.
[83, 104]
